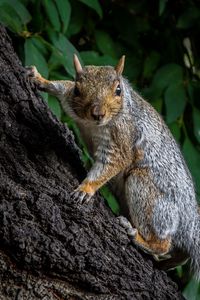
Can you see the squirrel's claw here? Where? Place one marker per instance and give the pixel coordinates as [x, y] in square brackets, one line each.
[130, 230]
[80, 196]
[132, 233]
[32, 71]
[35, 77]
[161, 257]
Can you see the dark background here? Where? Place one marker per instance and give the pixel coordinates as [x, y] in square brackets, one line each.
[160, 41]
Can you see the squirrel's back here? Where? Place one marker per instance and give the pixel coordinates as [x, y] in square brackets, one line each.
[161, 152]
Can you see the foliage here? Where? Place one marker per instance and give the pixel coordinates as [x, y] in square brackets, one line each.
[159, 38]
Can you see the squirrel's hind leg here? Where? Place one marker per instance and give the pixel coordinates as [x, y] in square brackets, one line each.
[149, 212]
[165, 217]
[153, 245]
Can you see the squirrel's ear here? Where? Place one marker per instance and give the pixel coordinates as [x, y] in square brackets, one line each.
[77, 66]
[120, 66]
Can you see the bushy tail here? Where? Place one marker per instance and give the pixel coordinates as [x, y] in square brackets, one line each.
[192, 245]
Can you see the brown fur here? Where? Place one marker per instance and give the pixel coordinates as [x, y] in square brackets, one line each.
[107, 102]
[153, 244]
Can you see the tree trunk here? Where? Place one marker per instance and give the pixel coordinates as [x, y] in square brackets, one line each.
[51, 248]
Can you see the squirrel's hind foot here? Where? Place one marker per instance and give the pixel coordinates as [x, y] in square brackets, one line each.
[153, 246]
[161, 257]
[132, 233]
[130, 230]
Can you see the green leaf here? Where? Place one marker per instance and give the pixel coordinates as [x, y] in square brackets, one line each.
[175, 130]
[64, 9]
[54, 106]
[133, 67]
[196, 122]
[10, 18]
[90, 57]
[40, 44]
[193, 89]
[19, 8]
[166, 75]
[157, 104]
[52, 13]
[94, 4]
[191, 290]
[45, 96]
[192, 156]
[93, 58]
[56, 60]
[34, 57]
[162, 5]
[175, 101]
[112, 202]
[77, 19]
[150, 64]
[67, 51]
[57, 75]
[105, 43]
[188, 18]
[86, 158]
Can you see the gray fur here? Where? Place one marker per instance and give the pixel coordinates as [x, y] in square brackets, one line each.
[176, 214]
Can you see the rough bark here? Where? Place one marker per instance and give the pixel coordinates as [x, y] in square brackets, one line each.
[50, 248]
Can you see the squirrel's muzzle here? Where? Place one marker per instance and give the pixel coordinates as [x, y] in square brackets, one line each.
[97, 113]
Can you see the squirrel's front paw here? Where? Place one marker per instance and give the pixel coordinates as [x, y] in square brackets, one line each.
[84, 192]
[32, 72]
[35, 76]
[80, 196]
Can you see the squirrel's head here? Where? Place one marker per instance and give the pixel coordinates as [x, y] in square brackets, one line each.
[98, 91]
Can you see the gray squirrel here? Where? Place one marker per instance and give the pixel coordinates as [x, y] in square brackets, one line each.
[133, 149]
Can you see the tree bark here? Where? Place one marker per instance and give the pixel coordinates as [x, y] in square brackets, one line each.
[50, 247]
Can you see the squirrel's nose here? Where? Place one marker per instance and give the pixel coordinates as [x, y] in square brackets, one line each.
[97, 113]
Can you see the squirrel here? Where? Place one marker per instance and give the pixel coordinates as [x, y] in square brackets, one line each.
[132, 148]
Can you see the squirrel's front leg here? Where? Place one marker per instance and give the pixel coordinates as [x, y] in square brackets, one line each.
[100, 173]
[97, 177]
[53, 87]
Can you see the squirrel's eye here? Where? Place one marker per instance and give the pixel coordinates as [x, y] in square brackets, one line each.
[76, 92]
[118, 90]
